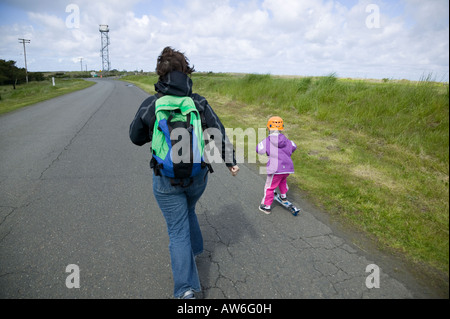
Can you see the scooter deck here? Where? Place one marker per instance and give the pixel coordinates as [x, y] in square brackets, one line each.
[287, 204]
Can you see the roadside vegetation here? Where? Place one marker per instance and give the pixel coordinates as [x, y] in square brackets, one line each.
[26, 94]
[15, 92]
[373, 154]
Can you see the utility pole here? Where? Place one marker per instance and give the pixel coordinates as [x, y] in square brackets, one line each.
[25, 55]
[81, 64]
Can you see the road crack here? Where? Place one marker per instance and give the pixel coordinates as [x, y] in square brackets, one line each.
[56, 159]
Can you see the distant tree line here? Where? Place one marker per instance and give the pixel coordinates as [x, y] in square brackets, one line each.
[10, 74]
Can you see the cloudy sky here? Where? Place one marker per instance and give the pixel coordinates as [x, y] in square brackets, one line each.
[396, 39]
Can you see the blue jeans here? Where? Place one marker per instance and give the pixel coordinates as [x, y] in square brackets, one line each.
[177, 204]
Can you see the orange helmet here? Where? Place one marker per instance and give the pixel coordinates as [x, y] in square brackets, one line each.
[275, 123]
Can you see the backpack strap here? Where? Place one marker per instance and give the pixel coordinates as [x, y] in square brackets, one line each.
[155, 166]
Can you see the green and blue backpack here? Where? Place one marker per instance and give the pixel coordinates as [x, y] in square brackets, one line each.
[177, 144]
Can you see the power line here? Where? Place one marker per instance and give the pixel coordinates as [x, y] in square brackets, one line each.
[25, 55]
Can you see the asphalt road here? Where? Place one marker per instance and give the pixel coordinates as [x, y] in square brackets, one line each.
[76, 191]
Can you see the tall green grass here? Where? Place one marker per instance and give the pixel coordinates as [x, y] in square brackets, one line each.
[373, 154]
[414, 114]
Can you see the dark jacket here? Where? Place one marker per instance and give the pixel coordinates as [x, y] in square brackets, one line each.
[179, 84]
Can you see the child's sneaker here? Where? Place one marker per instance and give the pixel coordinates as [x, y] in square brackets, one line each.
[265, 209]
[284, 199]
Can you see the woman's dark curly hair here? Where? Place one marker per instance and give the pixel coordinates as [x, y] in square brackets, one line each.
[172, 60]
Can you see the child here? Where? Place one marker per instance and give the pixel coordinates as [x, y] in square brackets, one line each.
[279, 149]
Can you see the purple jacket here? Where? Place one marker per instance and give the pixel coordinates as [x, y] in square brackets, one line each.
[279, 149]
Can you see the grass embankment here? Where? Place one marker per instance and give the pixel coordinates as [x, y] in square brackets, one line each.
[375, 155]
[34, 92]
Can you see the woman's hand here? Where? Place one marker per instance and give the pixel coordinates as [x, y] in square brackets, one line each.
[234, 170]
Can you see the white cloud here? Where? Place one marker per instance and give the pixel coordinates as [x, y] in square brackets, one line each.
[303, 37]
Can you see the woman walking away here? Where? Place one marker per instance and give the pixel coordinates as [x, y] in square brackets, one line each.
[178, 186]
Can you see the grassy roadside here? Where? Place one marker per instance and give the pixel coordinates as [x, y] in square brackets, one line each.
[34, 92]
[374, 155]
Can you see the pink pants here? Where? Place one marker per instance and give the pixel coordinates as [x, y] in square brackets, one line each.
[272, 182]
